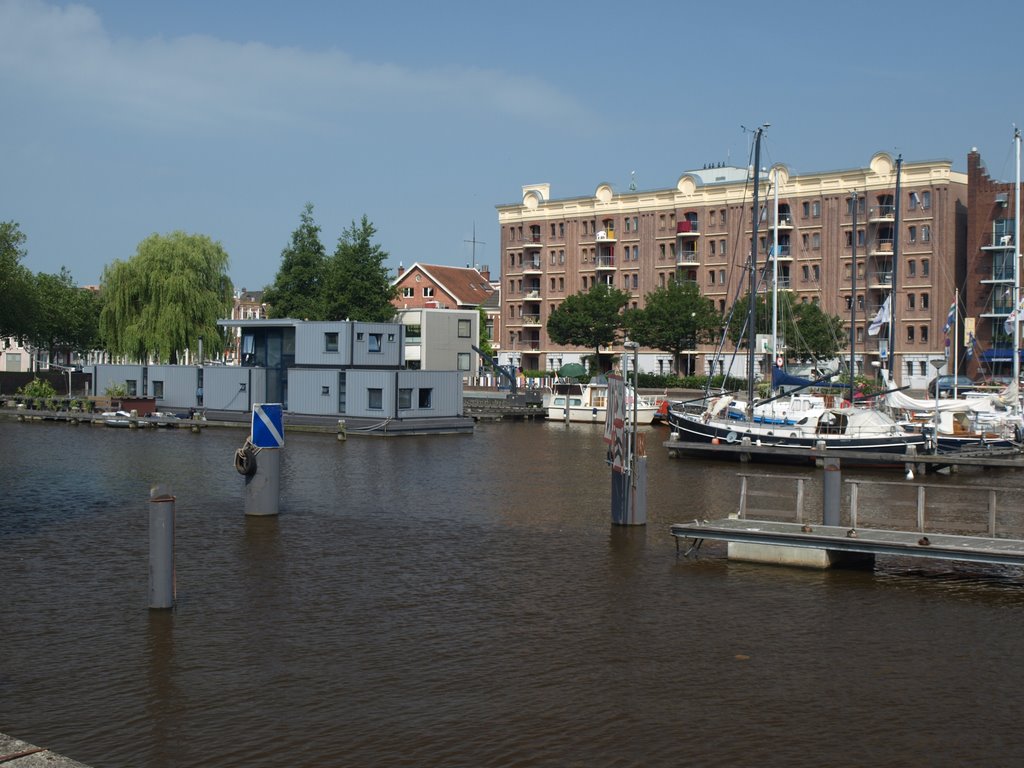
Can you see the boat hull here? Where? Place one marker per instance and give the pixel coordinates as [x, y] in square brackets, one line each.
[695, 430]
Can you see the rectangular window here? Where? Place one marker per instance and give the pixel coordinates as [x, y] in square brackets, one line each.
[910, 334]
[463, 361]
[924, 301]
[359, 336]
[375, 340]
[428, 291]
[926, 233]
[816, 241]
[912, 234]
[816, 209]
[926, 200]
[425, 395]
[911, 268]
[375, 399]
[924, 334]
[910, 301]
[806, 209]
[131, 387]
[465, 326]
[408, 292]
[331, 341]
[325, 390]
[158, 389]
[342, 391]
[412, 333]
[404, 399]
[924, 267]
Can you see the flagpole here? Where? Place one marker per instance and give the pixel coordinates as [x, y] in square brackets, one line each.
[956, 333]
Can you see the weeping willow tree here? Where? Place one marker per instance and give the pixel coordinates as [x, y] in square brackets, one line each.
[161, 301]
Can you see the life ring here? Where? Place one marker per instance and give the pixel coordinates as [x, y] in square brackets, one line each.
[845, 404]
[731, 437]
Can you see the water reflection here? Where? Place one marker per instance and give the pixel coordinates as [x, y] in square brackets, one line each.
[465, 601]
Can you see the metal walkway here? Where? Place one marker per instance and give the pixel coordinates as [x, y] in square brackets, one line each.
[935, 546]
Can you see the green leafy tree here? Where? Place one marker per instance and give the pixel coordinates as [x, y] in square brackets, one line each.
[71, 320]
[674, 318]
[18, 301]
[358, 285]
[484, 342]
[298, 288]
[163, 299]
[808, 331]
[592, 319]
[811, 333]
[737, 329]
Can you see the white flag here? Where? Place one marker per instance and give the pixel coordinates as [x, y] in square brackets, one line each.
[881, 318]
[1008, 325]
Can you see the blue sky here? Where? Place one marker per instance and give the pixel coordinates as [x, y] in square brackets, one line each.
[127, 117]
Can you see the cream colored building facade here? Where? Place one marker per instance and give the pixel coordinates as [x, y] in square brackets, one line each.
[700, 231]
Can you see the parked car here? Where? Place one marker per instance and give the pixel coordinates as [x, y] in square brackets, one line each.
[945, 385]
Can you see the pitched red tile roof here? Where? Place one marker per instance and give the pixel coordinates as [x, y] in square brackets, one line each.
[465, 285]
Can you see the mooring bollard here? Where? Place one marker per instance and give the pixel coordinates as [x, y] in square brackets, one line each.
[342, 431]
[263, 477]
[161, 548]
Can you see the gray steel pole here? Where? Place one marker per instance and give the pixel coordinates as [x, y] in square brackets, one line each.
[161, 549]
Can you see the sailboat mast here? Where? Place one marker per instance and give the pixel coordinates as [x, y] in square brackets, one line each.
[853, 293]
[752, 282]
[775, 274]
[1016, 262]
[895, 269]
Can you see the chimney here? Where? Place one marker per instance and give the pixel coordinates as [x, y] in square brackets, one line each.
[485, 271]
[401, 269]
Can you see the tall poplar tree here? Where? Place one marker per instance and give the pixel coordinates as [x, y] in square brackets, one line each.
[358, 285]
[298, 288]
[159, 302]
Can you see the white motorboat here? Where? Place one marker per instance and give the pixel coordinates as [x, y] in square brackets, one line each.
[588, 402]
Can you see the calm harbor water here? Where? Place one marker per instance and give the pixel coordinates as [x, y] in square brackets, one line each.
[464, 601]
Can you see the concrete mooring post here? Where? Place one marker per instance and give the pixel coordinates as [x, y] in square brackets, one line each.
[263, 475]
[161, 548]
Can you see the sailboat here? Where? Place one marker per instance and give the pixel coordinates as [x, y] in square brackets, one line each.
[977, 420]
[802, 421]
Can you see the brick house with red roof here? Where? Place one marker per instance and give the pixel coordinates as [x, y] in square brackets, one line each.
[434, 286]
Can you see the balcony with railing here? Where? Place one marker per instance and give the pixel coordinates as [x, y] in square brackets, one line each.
[687, 256]
[881, 245]
[531, 319]
[1001, 238]
[532, 265]
[1001, 273]
[882, 213]
[606, 235]
[605, 261]
[998, 307]
[880, 280]
[688, 228]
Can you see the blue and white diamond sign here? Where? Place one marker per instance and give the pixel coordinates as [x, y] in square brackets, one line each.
[267, 425]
